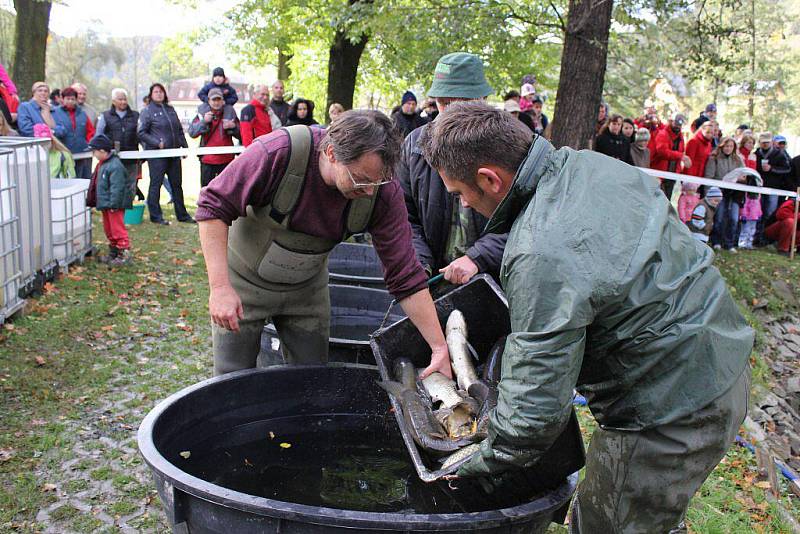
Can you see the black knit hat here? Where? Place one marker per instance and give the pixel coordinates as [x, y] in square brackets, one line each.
[218, 72]
[101, 142]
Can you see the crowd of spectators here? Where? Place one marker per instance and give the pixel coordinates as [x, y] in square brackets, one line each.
[729, 220]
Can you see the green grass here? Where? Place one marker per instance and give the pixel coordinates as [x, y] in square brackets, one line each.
[101, 347]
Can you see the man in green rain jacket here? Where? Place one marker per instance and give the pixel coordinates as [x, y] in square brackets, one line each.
[608, 294]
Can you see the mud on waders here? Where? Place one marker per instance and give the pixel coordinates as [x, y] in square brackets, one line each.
[286, 270]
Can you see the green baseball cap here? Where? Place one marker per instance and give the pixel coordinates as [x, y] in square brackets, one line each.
[459, 75]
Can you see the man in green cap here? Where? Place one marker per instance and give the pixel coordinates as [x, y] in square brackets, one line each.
[608, 293]
[447, 235]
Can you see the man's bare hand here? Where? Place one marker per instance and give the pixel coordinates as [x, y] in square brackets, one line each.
[440, 361]
[225, 307]
[460, 271]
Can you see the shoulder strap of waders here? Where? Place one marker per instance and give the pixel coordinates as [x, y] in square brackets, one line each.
[288, 192]
[359, 213]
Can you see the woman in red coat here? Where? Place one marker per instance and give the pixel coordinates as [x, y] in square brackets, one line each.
[699, 148]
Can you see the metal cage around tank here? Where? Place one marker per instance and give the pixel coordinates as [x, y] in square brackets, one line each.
[30, 162]
[72, 221]
[10, 248]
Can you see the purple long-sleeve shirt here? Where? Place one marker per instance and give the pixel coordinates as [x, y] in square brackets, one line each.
[252, 179]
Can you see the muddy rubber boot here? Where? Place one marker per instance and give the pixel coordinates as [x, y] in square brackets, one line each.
[113, 252]
[123, 257]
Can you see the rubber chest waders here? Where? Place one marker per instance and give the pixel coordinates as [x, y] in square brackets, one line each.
[262, 244]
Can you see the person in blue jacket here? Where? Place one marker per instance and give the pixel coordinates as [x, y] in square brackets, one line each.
[36, 111]
[75, 130]
[219, 81]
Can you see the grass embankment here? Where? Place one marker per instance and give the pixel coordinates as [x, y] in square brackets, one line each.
[101, 347]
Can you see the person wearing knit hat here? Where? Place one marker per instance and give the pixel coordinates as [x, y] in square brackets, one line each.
[702, 222]
[447, 236]
[408, 96]
[111, 191]
[219, 81]
[640, 153]
[406, 117]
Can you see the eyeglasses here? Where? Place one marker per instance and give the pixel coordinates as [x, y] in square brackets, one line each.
[366, 183]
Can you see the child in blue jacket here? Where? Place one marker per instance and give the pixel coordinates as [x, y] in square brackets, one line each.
[219, 81]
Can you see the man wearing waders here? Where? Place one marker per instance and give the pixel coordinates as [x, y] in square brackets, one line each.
[289, 199]
[609, 294]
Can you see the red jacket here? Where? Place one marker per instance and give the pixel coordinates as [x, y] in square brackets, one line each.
[664, 153]
[698, 149]
[751, 163]
[213, 135]
[255, 122]
[785, 211]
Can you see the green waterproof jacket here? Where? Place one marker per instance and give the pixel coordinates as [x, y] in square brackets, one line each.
[610, 294]
[115, 187]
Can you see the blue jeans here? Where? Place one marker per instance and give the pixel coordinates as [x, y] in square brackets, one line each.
[726, 224]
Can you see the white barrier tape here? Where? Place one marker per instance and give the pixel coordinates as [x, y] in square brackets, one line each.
[238, 149]
[717, 183]
[171, 152]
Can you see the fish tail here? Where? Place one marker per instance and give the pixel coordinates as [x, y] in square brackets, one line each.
[395, 389]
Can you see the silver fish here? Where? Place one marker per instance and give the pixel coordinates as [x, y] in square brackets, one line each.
[456, 333]
[458, 410]
[461, 454]
[442, 389]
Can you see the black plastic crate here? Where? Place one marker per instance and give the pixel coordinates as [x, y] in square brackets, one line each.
[485, 310]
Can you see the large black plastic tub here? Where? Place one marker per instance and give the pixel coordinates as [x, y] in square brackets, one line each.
[219, 405]
[356, 312]
[356, 264]
[485, 310]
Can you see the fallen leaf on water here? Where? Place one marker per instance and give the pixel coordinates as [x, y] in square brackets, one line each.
[40, 361]
[186, 454]
[271, 434]
[285, 445]
[248, 463]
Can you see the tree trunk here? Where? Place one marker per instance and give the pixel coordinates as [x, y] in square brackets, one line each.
[30, 38]
[284, 72]
[342, 69]
[583, 70]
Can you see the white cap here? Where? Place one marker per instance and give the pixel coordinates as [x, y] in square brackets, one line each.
[511, 106]
[527, 89]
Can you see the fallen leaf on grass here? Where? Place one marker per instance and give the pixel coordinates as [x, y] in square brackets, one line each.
[40, 361]
[763, 485]
[6, 454]
[49, 287]
[183, 326]
[75, 277]
[48, 487]
[107, 328]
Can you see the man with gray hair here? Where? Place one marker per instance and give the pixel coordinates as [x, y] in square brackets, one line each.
[610, 295]
[447, 235]
[288, 200]
[87, 108]
[119, 124]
